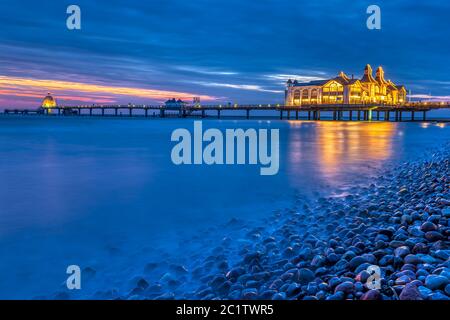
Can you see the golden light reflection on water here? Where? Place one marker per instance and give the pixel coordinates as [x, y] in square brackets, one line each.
[426, 125]
[329, 148]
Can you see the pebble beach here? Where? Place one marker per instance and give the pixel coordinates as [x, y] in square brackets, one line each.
[323, 250]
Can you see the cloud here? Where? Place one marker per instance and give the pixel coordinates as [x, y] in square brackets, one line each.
[286, 77]
[206, 71]
[28, 87]
[249, 87]
[249, 46]
[429, 97]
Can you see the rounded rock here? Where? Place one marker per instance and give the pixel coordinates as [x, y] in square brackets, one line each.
[401, 252]
[371, 295]
[433, 236]
[428, 226]
[305, 276]
[435, 282]
[346, 287]
[410, 292]
[412, 259]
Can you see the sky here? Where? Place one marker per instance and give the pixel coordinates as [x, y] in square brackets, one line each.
[239, 51]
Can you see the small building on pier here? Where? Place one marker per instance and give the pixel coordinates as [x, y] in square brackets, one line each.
[174, 103]
[346, 90]
[49, 102]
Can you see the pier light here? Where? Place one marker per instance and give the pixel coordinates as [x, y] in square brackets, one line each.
[278, 104]
[260, 105]
[235, 105]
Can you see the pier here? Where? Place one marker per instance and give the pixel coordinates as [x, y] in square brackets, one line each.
[340, 112]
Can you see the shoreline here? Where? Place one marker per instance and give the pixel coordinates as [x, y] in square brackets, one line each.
[322, 250]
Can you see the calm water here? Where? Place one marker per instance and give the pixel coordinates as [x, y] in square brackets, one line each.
[74, 190]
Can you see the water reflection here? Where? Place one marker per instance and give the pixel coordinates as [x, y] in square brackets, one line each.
[334, 148]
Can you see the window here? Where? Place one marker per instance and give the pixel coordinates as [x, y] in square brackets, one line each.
[333, 87]
[305, 94]
[296, 97]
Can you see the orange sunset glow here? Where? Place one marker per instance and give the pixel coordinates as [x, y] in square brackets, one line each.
[85, 92]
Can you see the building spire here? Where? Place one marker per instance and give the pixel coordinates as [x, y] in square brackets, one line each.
[343, 76]
[368, 77]
[380, 76]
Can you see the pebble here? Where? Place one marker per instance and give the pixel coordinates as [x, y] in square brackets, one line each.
[345, 287]
[410, 292]
[371, 295]
[305, 275]
[435, 282]
[321, 251]
[412, 259]
[401, 251]
[433, 236]
[428, 226]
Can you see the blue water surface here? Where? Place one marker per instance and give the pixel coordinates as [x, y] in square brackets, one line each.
[80, 190]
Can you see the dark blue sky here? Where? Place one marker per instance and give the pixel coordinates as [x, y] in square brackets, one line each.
[233, 50]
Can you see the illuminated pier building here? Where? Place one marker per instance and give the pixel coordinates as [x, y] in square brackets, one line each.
[49, 102]
[345, 90]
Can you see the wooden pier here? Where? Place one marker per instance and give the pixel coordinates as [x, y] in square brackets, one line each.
[341, 112]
